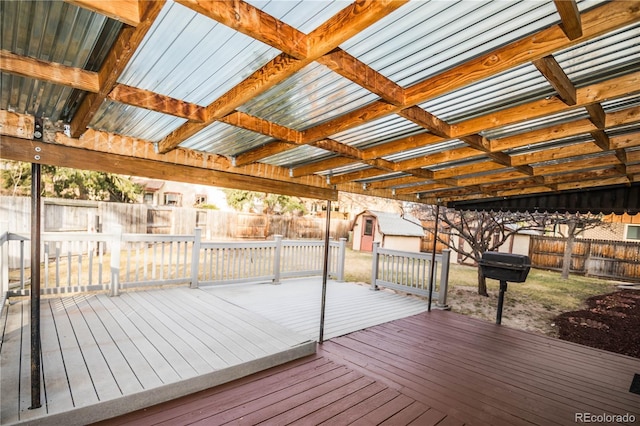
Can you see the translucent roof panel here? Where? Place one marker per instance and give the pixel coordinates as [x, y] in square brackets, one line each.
[425, 38]
[199, 63]
[378, 131]
[310, 97]
[507, 89]
[136, 122]
[224, 139]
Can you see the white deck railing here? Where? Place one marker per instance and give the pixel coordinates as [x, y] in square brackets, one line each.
[80, 262]
[410, 272]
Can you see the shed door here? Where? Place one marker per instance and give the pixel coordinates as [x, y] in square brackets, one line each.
[366, 240]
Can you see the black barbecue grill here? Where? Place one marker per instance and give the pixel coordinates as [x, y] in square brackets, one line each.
[504, 267]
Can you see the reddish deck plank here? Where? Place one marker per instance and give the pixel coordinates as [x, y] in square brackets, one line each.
[436, 368]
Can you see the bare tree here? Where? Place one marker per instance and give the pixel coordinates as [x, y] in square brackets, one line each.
[480, 231]
[487, 231]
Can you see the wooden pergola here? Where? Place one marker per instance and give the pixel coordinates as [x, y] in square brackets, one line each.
[517, 147]
[432, 102]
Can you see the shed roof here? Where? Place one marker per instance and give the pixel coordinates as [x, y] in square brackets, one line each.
[396, 224]
[430, 101]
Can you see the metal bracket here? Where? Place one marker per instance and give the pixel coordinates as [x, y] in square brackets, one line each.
[38, 129]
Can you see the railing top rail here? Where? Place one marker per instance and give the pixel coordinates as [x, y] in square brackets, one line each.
[156, 237]
[76, 236]
[412, 254]
[234, 244]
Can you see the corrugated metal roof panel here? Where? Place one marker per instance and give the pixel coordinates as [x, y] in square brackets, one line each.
[378, 131]
[303, 15]
[199, 63]
[603, 57]
[426, 150]
[136, 122]
[538, 123]
[298, 156]
[310, 97]
[507, 89]
[224, 139]
[55, 32]
[437, 35]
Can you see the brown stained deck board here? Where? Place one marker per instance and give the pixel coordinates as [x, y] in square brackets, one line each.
[437, 368]
[531, 376]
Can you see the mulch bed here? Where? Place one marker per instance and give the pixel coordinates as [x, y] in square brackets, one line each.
[611, 322]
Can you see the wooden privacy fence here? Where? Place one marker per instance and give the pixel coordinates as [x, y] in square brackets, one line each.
[410, 272]
[619, 260]
[81, 262]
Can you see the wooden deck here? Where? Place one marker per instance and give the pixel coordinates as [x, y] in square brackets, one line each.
[295, 304]
[110, 355]
[432, 368]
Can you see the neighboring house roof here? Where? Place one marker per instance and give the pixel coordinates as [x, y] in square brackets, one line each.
[395, 224]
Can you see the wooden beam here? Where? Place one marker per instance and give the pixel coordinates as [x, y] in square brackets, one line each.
[581, 164]
[601, 139]
[255, 23]
[551, 154]
[60, 155]
[403, 144]
[264, 127]
[14, 124]
[321, 166]
[424, 119]
[555, 75]
[597, 115]
[49, 71]
[570, 17]
[126, 11]
[550, 133]
[155, 102]
[264, 151]
[322, 40]
[352, 69]
[117, 59]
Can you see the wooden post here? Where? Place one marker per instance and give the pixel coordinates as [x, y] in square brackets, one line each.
[325, 271]
[36, 214]
[433, 257]
[116, 246]
[276, 259]
[374, 266]
[195, 258]
[444, 281]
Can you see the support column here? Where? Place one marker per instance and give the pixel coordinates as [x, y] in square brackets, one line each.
[325, 271]
[432, 273]
[36, 214]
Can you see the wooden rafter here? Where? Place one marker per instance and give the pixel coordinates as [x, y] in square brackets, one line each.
[49, 71]
[155, 102]
[126, 11]
[555, 75]
[322, 40]
[570, 16]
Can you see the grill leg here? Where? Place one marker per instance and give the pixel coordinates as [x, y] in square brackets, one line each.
[503, 289]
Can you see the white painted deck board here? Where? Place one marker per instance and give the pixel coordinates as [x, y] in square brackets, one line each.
[296, 304]
[124, 353]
